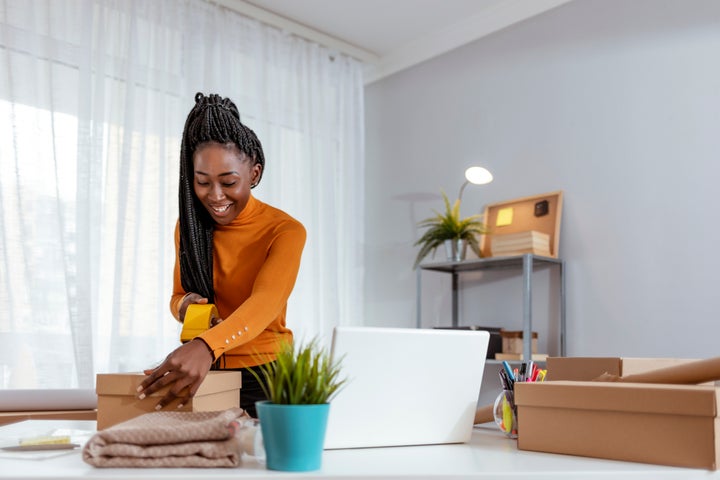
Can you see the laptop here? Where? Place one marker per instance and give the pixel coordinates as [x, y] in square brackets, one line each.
[405, 386]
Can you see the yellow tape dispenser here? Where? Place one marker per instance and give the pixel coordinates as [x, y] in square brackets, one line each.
[197, 319]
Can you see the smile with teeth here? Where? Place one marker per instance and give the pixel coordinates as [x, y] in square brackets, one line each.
[219, 209]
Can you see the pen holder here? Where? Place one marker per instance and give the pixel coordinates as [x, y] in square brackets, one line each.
[505, 413]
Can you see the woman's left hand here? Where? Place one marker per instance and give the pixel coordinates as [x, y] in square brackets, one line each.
[184, 369]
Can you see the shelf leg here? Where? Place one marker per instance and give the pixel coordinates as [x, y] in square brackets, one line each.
[418, 300]
[455, 299]
[563, 339]
[527, 306]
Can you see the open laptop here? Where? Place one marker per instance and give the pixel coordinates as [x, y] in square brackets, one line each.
[405, 386]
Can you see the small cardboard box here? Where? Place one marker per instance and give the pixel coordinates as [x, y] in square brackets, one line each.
[650, 423]
[512, 341]
[117, 396]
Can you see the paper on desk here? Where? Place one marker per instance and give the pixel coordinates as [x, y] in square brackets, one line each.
[78, 437]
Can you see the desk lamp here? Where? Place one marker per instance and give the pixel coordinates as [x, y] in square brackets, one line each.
[476, 176]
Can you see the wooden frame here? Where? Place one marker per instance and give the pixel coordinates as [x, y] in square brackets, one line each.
[518, 215]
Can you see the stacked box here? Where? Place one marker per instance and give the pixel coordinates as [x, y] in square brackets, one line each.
[651, 423]
[512, 346]
[117, 396]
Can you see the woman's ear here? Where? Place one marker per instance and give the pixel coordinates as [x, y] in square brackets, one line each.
[255, 172]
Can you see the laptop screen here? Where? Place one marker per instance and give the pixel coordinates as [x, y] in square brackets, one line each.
[405, 386]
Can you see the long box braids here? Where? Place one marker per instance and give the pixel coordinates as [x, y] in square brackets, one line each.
[212, 119]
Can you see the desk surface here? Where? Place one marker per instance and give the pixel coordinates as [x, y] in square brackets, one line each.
[488, 455]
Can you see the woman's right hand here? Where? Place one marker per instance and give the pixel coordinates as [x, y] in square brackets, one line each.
[188, 300]
[192, 298]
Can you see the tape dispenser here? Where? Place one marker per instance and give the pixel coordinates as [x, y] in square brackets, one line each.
[198, 318]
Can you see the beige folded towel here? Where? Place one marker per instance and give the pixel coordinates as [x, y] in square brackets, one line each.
[169, 439]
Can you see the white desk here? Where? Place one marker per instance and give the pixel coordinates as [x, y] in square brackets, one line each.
[487, 455]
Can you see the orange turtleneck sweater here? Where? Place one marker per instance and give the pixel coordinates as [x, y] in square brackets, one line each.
[256, 259]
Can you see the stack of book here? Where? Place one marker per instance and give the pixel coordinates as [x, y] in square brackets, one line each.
[518, 243]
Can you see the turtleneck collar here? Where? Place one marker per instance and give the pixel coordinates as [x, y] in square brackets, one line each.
[248, 212]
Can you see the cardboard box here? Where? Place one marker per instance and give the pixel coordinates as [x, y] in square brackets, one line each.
[649, 423]
[512, 341]
[117, 396]
[589, 368]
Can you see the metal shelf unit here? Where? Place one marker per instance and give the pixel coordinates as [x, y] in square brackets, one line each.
[527, 262]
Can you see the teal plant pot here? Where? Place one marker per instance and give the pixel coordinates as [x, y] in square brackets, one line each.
[293, 435]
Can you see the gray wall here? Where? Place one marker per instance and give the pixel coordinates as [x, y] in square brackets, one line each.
[614, 102]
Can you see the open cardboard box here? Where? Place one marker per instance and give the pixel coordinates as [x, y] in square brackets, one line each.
[651, 423]
[117, 396]
[589, 368]
[654, 413]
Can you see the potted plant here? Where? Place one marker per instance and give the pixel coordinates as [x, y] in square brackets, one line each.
[449, 227]
[299, 385]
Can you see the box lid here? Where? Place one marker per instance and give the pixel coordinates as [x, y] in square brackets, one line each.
[582, 368]
[691, 400]
[127, 383]
[589, 368]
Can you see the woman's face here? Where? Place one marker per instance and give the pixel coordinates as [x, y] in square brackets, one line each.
[222, 179]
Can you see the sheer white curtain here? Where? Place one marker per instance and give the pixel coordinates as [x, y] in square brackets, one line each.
[93, 97]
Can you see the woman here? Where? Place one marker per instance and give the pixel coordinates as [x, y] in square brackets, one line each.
[233, 251]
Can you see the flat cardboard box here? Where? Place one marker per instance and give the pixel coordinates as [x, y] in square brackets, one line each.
[519, 357]
[117, 396]
[662, 424]
[589, 368]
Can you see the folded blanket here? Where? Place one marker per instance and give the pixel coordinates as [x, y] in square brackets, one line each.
[169, 439]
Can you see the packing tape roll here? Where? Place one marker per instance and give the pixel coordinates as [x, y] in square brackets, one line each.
[197, 320]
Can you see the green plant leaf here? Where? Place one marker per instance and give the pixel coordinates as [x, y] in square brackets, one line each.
[300, 375]
[449, 226]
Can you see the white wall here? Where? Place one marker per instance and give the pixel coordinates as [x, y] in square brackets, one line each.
[615, 102]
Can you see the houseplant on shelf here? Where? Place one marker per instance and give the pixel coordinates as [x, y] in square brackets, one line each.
[299, 385]
[450, 229]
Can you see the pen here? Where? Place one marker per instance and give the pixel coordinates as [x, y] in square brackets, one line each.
[508, 370]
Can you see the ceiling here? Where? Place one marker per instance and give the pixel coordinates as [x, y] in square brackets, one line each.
[391, 35]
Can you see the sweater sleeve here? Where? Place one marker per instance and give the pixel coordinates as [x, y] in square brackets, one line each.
[270, 292]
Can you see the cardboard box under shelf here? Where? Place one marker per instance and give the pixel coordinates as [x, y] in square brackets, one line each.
[519, 357]
[117, 396]
[512, 341]
[661, 424]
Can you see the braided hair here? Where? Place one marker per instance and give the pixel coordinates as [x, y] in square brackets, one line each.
[212, 119]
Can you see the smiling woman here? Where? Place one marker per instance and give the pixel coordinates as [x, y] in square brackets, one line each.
[233, 251]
